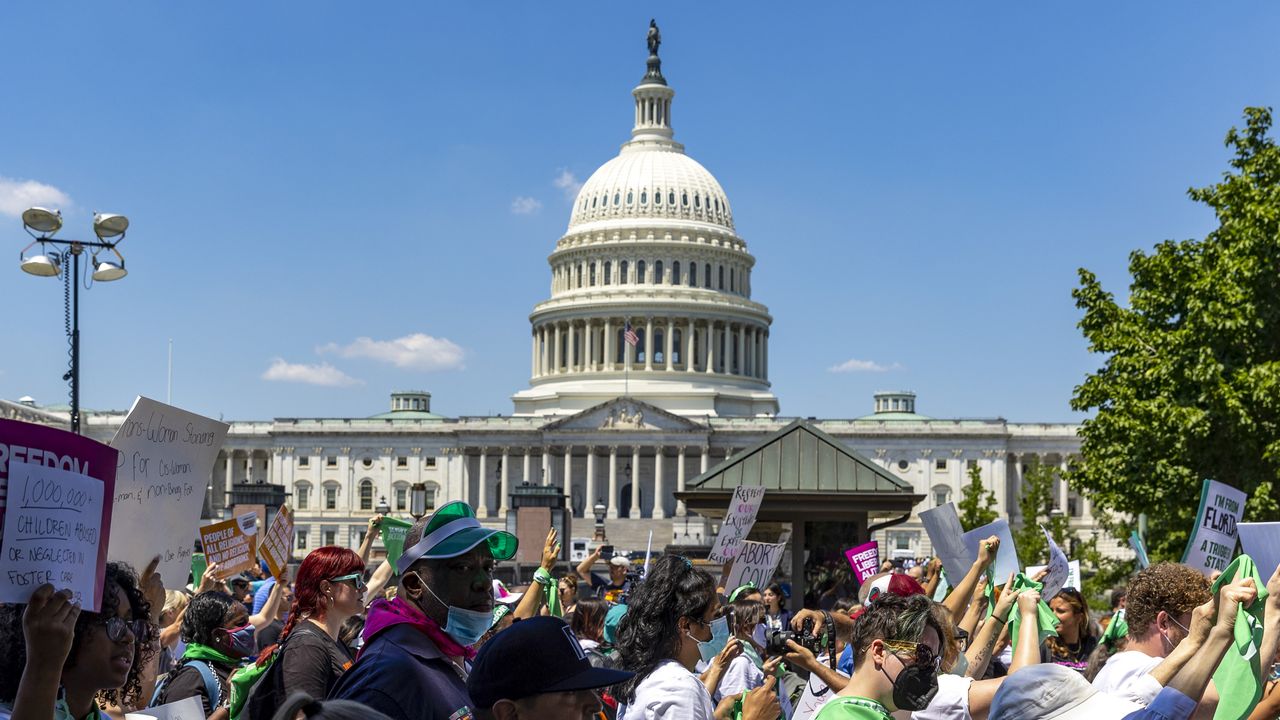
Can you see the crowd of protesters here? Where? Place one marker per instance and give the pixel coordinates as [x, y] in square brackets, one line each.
[436, 636]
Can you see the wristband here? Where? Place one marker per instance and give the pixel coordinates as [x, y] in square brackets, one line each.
[542, 576]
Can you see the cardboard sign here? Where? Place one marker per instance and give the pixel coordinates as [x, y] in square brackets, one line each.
[756, 562]
[230, 544]
[942, 524]
[741, 515]
[1261, 541]
[393, 532]
[1140, 550]
[166, 457]
[51, 447]
[277, 543]
[1213, 539]
[1006, 556]
[185, 709]
[864, 559]
[52, 534]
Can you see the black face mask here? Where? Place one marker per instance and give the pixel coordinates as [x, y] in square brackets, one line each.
[914, 687]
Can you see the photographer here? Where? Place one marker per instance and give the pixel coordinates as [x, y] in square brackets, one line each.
[618, 585]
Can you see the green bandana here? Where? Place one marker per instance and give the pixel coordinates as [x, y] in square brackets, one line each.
[1116, 630]
[1046, 620]
[196, 651]
[1238, 676]
[552, 590]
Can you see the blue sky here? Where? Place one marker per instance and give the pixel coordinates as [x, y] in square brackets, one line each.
[918, 184]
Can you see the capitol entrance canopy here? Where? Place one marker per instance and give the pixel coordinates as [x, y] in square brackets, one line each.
[833, 497]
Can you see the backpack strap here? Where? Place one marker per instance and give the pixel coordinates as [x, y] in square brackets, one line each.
[211, 687]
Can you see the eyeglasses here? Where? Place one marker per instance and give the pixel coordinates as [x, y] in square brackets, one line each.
[922, 654]
[357, 578]
[118, 628]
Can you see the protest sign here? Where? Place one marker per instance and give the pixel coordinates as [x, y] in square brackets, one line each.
[864, 559]
[185, 709]
[1006, 556]
[946, 536]
[393, 532]
[755, 563]
[1213, 539]
[1070, 580]
[738, 519]
[1261, 541]
[277, 543]
[231, 544]
[816, 694]
[51, 447]
[166, 456]
[52, 534]
[1139, 550]
[1058, 568]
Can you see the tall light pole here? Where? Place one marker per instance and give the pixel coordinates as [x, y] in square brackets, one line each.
[42, 224]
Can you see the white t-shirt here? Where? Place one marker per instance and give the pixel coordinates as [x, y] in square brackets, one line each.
[670, 691]
[741, 675]
[1127, 675]
[951, 702]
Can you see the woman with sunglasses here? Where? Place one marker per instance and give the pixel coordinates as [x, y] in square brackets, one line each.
[328, 590]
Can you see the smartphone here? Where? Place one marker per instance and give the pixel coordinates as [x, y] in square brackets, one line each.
[606, 553]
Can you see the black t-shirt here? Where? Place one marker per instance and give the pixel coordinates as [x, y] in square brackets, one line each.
[311, 661]
[605, 588]
[186, 681]
[270, 635]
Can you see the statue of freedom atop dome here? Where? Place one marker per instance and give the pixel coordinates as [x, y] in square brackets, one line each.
[654, 38]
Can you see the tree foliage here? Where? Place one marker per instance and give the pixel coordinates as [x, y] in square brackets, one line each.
[1190, 385]
[977, 503]
[1038, 506]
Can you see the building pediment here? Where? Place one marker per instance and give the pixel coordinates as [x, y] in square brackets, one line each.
[623, 415]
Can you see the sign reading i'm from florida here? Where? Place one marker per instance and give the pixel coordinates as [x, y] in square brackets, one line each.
[1213, 539]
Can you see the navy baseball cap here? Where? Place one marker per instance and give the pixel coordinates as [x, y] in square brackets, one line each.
[502, 670]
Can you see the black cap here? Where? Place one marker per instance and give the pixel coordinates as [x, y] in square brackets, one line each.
[502, 669]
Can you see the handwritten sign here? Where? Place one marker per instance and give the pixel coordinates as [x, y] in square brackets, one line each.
[1058, 570]
[815, 695]
[52, 534]
[1071, 579]
[755, 563]
[231, 544]
[51, 447]
[166, 457]
[741, 515]
[864, 559]
[1213, 539]
[277, 543]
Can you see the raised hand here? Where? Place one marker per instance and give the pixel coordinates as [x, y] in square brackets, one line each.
[1028, 602]
[987, 550]
[153, 589]
[48, 625]
[550, 550]
[210, 581]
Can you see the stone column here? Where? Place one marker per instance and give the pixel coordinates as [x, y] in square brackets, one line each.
[482, 507]
[680, 508]
[591, 479]
[534, 357]
[711, 346]
[648, 344]
[742, 350]
[659, 485]
[230, 468]
[506, 482]
[555, 352]
[706, 456]
[628, 350]
[669, 339]
[607, 344]
[568, 475]
[525, 476]
[635, 482]
[764, 365]
[1062, 483]
[612, 503]
[546, 466]
[590, 358]
[690, 332]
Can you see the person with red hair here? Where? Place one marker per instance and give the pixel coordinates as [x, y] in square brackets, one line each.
[329, 589]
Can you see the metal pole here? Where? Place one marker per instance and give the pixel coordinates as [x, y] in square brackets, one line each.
[75, 340]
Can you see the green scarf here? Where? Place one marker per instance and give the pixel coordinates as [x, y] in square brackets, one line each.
[1116, 630]
[196, 651]
[1238, 676]
[549, 586]
[1046, 620]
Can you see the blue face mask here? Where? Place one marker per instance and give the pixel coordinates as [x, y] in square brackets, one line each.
[465, 626]
[709, 649]
[240, 641]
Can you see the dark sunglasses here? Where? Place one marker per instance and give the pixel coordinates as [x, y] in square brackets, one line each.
[118, 629]
[923, 655]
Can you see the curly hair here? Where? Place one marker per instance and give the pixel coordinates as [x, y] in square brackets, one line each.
[116, 576]
[207, 612]
[649, 633]
[1171, 587]
[1080, 608]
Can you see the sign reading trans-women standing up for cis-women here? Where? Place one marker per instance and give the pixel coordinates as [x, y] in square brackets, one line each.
[1213, 539]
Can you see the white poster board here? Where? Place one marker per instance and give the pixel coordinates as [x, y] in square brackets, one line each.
[946, 535]
[738, 520]
[1213, 539]
[815, 695]
[52, 527]
[185, 709]
[1006, 556]
[756, 562]
[166, 460]
[1261, 541]
[1072, 579]
[1058, 568]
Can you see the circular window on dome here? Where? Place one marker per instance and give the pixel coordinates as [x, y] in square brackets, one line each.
[617, 198]
[629, 197]
[671, 198]
[644, 197]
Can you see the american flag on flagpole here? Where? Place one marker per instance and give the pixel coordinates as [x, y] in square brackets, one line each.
[630, 336]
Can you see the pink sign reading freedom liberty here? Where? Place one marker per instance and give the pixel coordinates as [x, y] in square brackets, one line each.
[864, 559]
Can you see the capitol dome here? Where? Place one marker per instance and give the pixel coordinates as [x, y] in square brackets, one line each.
[651, 287]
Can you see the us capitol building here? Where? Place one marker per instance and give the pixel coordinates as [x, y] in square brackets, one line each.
[612, 418]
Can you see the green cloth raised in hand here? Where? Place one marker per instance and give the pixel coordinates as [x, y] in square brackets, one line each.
[1239, 676]
[1046, 620]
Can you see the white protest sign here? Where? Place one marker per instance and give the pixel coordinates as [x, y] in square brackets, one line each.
[945, 534]
[185, 709]
[165, 462]
[815, 695]
[1213, 539]
[1006, 556]
[52, 528]
[1071, 580]
[277, 543]
[741, 515]
[1261, 541]
[1058, 568]
[756, 562]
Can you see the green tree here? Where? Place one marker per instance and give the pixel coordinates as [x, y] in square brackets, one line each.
[1190, 385]
[977, 504]
[1038, 507]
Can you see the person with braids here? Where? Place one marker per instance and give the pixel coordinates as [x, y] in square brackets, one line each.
[327, 591]
[60, 662]
[666, 630]
[219, 637]
[1076, 638]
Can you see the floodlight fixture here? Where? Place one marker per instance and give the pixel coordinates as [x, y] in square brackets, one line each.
[43, 221]
[108, 270]
[42, 265]
[107, 225]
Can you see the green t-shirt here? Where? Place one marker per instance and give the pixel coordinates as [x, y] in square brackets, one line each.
[853, 708]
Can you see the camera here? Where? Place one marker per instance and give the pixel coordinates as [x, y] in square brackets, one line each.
[776, 640]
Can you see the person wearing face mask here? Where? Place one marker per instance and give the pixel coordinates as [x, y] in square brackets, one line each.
[219, 638]
[418, 646]
[897, 644]
[668, 628]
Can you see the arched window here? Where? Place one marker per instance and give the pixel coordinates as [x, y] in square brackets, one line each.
[644, 197]
[941, 495]
[641, 276]
[677, 346]
[579, 274]
[593, 202]
[617, 198]
[671, 198]
[733, 280]
[630, 197]
[366, 494]
[717, 205]
[657, 196]
[697, 201]
[693, 274]
[659, 346]
[608, 272]
[675, 272]
[706, 278]
[657, 273]
[302, 496]
[721, 274]
[684, 199]
[622, 272]
[591, 274]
